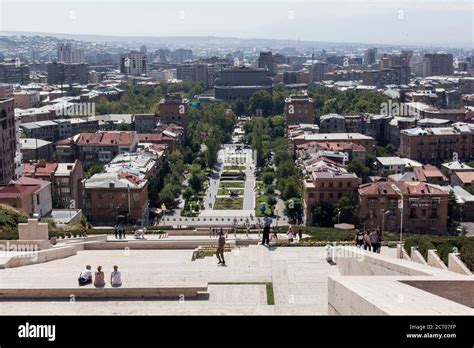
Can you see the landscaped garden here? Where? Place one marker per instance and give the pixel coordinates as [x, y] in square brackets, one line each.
[228, 203]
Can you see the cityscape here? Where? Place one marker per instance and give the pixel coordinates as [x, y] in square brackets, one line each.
[278, 169]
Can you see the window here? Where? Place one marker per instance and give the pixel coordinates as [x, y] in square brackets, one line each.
[348, 184]
[321, 196]
[136, 197]
[331, 184]
[330, 195]
[340, 184]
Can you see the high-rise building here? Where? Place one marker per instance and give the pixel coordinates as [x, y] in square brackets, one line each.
[14, 73]
[181, 55]
[134, 63]
[438, 64]
[370, 56]
[265, 61]
[78, 56]
[67, 73]
[205, 73]
[8, 140]
[64, 52]
[317, 71]
[143, 49]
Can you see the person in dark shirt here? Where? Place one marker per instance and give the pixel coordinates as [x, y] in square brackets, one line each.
[220, 248]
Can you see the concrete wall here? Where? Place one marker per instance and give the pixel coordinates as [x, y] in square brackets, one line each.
[435, 261]
[456, 265]
[33, 230]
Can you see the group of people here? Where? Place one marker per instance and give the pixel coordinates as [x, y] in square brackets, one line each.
[369, 240]
[86, 278]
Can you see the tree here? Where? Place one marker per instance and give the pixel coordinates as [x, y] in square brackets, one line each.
[454, 210]
[167, 196]
[9, 220]
[359, 169]
[323, 213]
[188, 193]
[348, 208]
[197, 178]
[239, 107]
[292, 188]
[294, 210]
[261, 100]
[268, 177]
[94, 169]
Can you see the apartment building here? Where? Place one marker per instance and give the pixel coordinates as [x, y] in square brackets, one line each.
[173, 108]
[8, 139]
[436, 145]
[425, 207]
[299, 109]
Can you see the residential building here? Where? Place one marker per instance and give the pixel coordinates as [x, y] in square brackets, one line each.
[327, 186]
[8, 139]
[173, 108]
[438, 64]
[102, 147]
[425, 207]
[14, 73]
[6, 91]
[431, 175]
[395, 165]
[67, 73]
[299, 109]
[109, 195]
[265, 61]
[26, 99]
[65, 178]
[436, 145]
[40, 201]
[367, 142]
[465, 179]
[206, 73]
[144, 123]
[449, 168]
[134, 63]
[34, 149]
[332, 123]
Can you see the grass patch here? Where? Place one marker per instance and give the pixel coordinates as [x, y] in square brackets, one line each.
[229, 203]
[268, 288]
[226, 191]
[232, 184]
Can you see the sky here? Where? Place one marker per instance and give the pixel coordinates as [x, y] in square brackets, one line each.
[411, 22]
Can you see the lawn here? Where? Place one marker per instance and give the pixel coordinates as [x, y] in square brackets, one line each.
[226, 191]
[232, 184]
[260, 187]
[229, 203]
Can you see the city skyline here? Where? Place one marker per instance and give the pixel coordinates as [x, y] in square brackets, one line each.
[364, 22]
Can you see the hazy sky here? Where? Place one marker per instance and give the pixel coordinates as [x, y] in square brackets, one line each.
[445, 22]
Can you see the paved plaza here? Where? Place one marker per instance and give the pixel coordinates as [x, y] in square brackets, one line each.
[298, 274]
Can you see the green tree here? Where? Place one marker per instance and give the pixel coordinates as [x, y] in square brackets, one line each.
[454, 210]
[268, 177]
[261, 100]
[239, 107]
[323, 213]
[349, 209]
[359, 169]
[94, 169]
[167, 196]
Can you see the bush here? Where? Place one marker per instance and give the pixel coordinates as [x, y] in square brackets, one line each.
[423, 245]
[467, 254]
[448, 246]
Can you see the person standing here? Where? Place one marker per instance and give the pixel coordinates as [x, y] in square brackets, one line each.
[367, 245]
[375, 241]
[359, 239]
[220, 248]
[266, 230]
[290, 235]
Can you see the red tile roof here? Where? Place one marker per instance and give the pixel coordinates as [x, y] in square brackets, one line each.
[106, 139]
[17, 191]
[47, 168]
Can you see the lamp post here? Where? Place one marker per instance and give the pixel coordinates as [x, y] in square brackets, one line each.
[397, 190]
[383, 218]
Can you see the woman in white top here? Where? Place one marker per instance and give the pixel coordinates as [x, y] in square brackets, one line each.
[116, 277]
